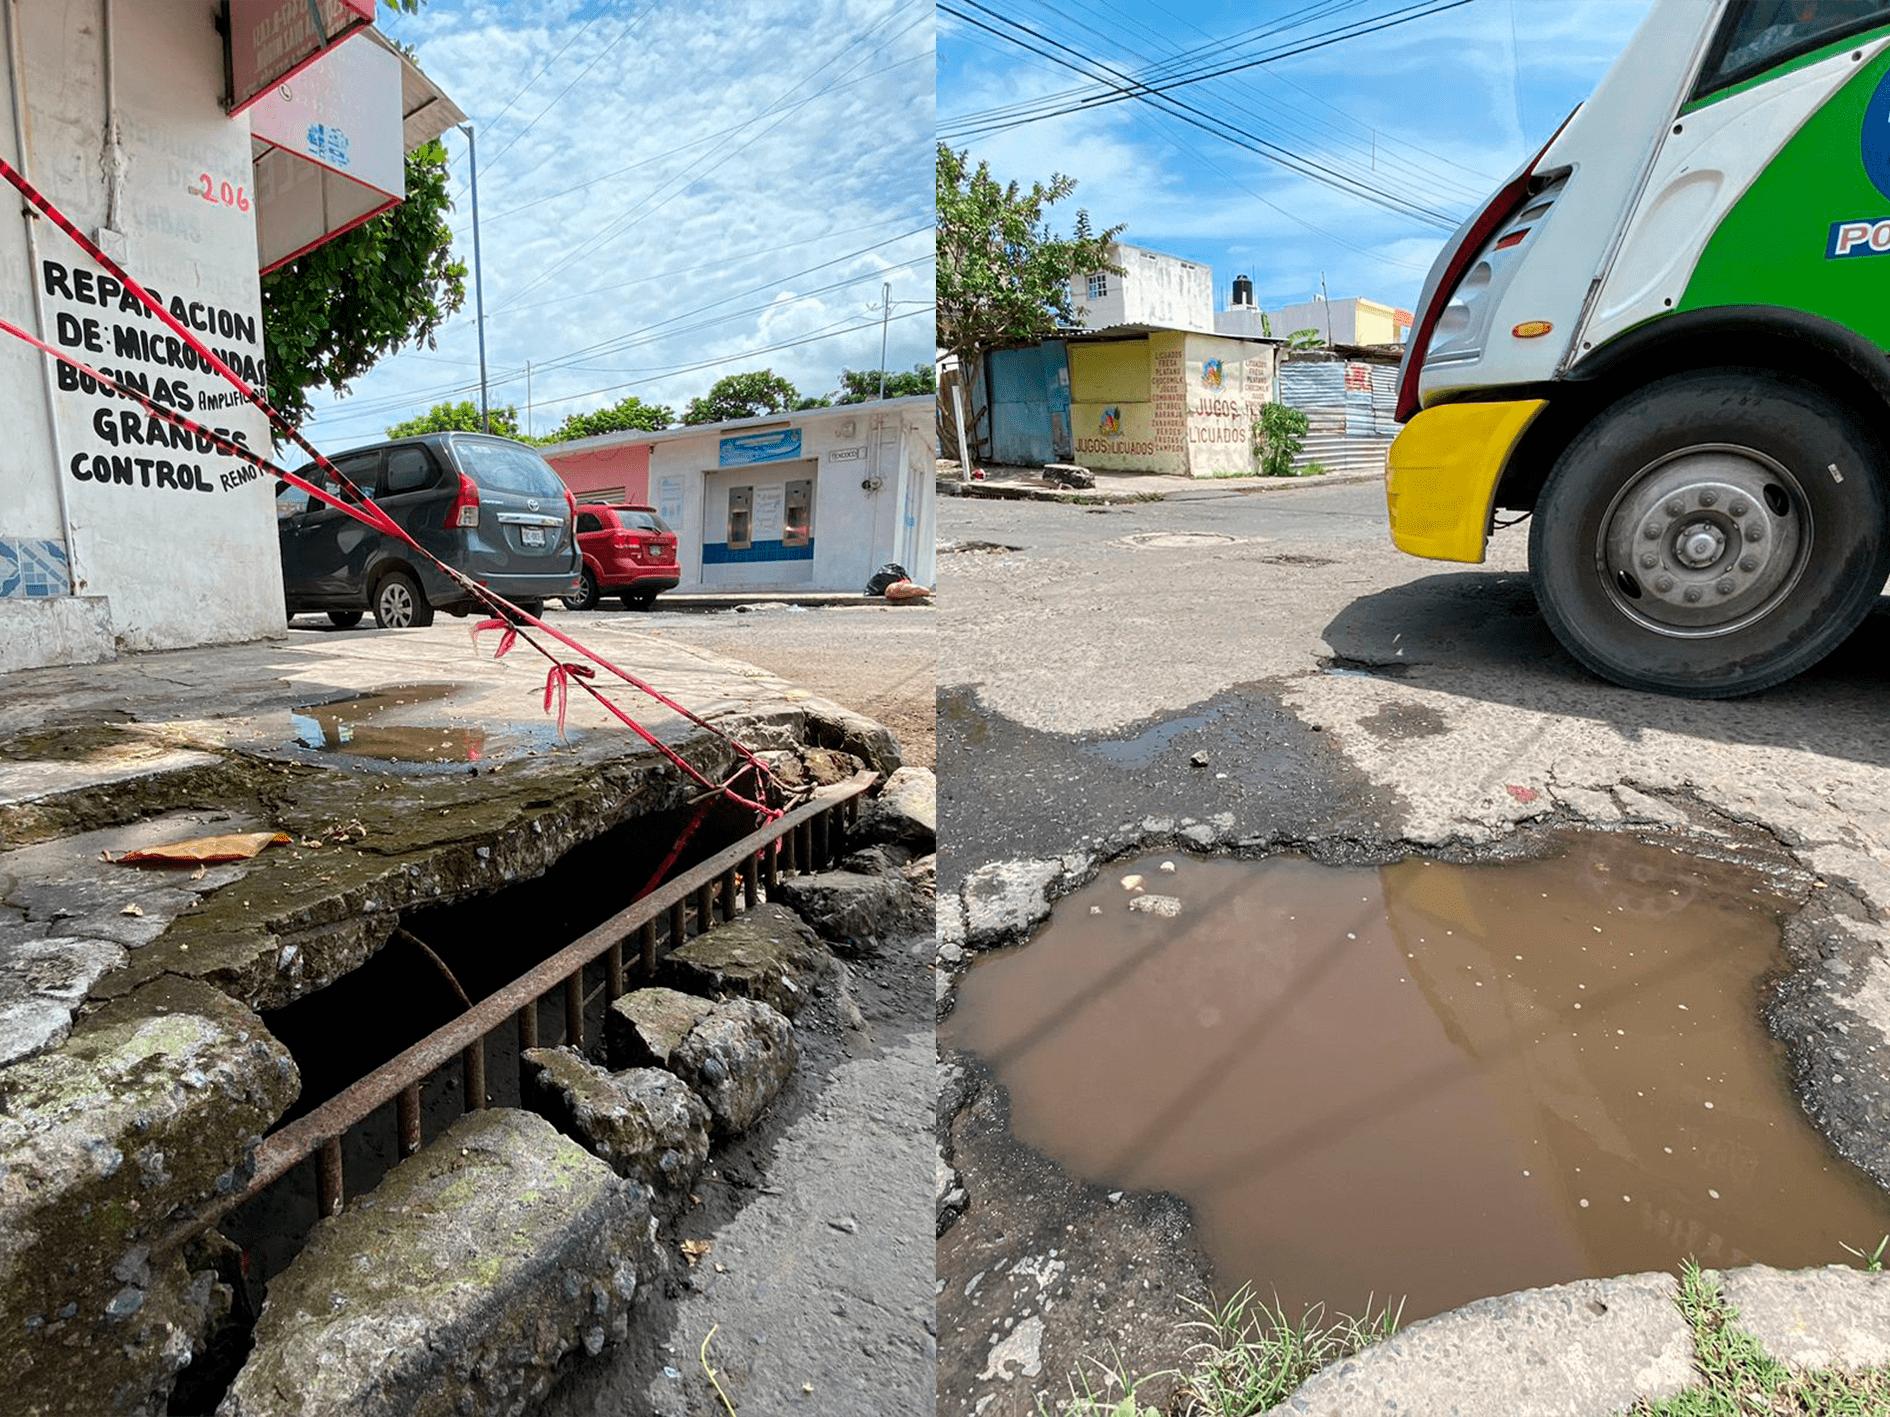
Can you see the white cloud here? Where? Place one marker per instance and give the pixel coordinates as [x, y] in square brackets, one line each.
[719, 156]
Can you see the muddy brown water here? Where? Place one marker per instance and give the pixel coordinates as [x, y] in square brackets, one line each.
[1428, 1080]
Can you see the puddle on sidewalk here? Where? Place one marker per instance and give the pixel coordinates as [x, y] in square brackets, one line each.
[1426, 1079]
[351, 726]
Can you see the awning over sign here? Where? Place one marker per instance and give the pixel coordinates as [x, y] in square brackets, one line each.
[329, 146]
[272, 40]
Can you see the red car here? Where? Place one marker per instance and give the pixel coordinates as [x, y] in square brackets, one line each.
[629, 552]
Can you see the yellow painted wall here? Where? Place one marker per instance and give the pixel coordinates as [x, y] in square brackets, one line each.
[1112, 372]
[1376, 323]
[1120, 419]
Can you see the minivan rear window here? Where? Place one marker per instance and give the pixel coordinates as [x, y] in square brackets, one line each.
[506, 467]
[642, 521]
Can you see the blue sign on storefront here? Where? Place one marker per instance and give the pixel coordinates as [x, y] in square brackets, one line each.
[746, 448]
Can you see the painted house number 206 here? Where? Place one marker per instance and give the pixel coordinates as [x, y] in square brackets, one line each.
[222, 194]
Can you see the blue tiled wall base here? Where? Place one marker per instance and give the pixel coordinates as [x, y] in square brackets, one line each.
[718, 553]
[33, 566]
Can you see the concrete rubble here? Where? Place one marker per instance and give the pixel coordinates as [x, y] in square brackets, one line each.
[455, 1287]
[137, 1075]
[644, 1122]
[736, 1059]
[767, 954]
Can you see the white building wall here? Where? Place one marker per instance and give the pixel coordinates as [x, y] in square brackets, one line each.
[165, 546]
[1155, 288]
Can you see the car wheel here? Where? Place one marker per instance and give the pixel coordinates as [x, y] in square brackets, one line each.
[1712, 534]
[530, 607]
[586, 598]
[344, 619]
[400, 604]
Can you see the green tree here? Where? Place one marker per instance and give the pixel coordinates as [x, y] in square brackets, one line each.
[860, 385]
[1003, 274]
[462, 417]
[748, 395]
[334, 312]
[625, 415]
[1308, 338]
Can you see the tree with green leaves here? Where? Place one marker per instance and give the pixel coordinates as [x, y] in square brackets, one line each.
[749, 395]
[1308, 338]
[1003, 274]
[461, 417]
[334, 312]
[860, 385]
[628, 414]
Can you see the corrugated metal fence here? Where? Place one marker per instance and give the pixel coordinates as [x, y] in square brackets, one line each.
[1352, 426]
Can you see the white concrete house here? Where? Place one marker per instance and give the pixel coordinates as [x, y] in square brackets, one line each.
[1154, 289]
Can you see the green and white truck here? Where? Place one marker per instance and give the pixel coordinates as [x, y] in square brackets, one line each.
[1666, 339]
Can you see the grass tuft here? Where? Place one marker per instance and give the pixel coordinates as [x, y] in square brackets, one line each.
[1251, 1355]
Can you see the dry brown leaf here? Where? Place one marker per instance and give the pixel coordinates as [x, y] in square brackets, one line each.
[240, 847]
[132, 910]
[694, 1250]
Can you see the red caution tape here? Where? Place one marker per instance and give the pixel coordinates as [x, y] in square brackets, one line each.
[363, 508]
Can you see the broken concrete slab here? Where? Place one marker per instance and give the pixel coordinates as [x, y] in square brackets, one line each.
[1835, 1317]
[42, 983]
[153, 1105]
[644, 1122]
[854, 910]
[736, 1059]
[1573, 1350]
[768, 953]
[456, 1286]
[644, 1027]
[1006, 900]
[905, 811]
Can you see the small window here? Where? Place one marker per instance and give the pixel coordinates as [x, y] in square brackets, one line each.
[409, 469]
[1758, 34]
[643, 521]
[361, 470]
[1098, 286]
[589, 521]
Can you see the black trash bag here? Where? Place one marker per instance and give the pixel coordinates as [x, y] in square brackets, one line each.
[885, 576]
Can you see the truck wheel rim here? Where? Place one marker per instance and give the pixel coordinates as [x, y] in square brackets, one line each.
[1704, 541]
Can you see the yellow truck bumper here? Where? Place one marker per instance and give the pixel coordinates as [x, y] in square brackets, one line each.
[1442, 471]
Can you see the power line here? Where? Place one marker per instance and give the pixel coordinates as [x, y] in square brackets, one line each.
[1189, 113]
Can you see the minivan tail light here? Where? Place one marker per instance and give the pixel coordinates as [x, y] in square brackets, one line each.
[1505, 204]
[465, 509]
[570, 505]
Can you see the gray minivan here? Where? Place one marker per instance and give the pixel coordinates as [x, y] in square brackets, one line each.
[487, 506]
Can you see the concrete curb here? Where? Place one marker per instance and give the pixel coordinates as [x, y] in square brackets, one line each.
[1119, 488]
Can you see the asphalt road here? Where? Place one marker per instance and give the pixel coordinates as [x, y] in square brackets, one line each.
[1270, 660]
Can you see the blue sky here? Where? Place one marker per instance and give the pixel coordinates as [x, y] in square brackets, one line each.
[665, 186]
[1435, 113]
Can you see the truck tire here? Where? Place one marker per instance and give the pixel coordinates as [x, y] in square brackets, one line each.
[1712, 534]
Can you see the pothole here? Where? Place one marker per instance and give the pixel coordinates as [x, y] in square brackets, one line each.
[1426, 1079]
[1175, 540]
[951, 547]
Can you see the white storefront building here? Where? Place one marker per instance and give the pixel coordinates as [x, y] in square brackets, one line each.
[814, 500]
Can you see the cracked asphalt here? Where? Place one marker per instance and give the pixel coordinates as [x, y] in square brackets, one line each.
[1272, 660]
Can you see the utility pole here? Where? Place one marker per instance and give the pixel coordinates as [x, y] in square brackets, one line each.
[885, 314]
[479, 286]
